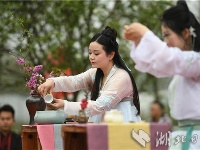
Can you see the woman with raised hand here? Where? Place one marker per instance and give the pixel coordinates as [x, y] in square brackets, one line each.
[111, 83]
[177, 57]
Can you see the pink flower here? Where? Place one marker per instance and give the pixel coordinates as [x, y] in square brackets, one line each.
[20, 61]
[84, 104]
[28, 69]
[32, 91]
[34, 74]
[37, 68]
[32, 81]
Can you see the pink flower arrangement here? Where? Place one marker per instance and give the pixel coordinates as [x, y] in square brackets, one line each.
[31, 74]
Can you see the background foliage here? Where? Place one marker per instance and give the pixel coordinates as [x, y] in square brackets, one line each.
[60, 32]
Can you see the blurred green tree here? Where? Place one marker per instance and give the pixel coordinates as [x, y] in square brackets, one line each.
[59, 33]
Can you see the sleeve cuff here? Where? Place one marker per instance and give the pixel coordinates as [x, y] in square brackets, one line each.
[133, 46]
[65, 107]
[71, 108]
[54, 89]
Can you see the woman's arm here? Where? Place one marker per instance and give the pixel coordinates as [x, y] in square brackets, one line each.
[68, 83]
[153, 56]
[119, 87]
[74, 83]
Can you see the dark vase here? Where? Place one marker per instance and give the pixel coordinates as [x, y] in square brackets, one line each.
[34, 103]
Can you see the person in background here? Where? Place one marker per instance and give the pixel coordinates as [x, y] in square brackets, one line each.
[178, 57]
[8, 139]
[158, 114]
[110, 82]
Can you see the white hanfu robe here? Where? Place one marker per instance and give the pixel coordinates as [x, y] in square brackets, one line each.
[154, 56]
[116, 93]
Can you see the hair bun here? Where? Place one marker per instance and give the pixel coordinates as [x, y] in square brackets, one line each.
[110, 33]
[182, 4]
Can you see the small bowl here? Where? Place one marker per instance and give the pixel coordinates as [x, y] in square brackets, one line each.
[50, 117]
[48, 98]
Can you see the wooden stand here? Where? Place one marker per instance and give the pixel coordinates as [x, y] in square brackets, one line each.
[30, 139]
[74, 137]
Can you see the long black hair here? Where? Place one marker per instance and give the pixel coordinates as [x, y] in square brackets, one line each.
[107, 38]
[178, 18]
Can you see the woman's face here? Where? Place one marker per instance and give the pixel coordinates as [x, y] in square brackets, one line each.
[172, 39]
[156, 111]
[98, 56]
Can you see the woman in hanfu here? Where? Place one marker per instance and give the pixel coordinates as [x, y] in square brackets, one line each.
[111, 83]
[177, 57]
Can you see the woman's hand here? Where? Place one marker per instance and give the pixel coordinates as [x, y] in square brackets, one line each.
[46, 87]
[134, 32]
[58, 103]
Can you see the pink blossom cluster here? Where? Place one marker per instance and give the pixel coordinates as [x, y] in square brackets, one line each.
[37, 68]
[35, 80]
[20, 61]
[31, 73]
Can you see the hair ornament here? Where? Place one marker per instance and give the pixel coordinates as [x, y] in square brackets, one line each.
[192, 32]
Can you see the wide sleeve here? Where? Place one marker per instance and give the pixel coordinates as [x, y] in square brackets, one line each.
[153, 56]
[117, 88]
[74, 83]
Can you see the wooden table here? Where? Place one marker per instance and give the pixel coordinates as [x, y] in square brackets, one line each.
[70, 134]
[30, 139]
[91, 136]
[74, 137]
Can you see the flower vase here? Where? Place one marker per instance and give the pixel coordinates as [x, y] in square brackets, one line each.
[82, 117]
[34, 103]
